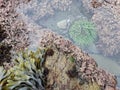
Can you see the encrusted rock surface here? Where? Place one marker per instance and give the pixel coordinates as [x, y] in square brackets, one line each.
[82, 71]
[12, 24]
[106, 16]
[13, 33]
[38, 9]
[84, 67]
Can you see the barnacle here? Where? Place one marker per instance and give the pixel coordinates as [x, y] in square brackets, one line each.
[82, 32]
[27, 72]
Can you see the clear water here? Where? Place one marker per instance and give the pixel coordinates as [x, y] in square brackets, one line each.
[75, 11]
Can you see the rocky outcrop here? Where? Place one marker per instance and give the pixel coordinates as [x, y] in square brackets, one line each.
[37, 9]
[13, 35]
[106, 17]
[13, 24]
[107, 20]
[70, 68]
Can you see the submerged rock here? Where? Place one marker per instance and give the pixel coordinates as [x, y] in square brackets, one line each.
[70, 68]
[63, 24]
[56, 65]
[106, 63]
[106, 17]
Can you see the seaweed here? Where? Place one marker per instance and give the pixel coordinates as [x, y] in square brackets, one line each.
[27, 72]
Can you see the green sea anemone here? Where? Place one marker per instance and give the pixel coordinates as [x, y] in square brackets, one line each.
[27, 72]
[82, 32]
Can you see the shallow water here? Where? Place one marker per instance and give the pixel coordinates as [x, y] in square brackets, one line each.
[74, 12]
[107, 64]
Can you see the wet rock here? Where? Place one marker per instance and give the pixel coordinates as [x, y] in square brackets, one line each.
[37, 9]
[13, 25]
[108, 29]
[96, 3]
[106, 17]
[61, 68]
[63, 24]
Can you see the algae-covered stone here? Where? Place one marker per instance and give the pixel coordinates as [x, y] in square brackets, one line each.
[57, 65]
[91, 86]
[61, 76]
[71, 69]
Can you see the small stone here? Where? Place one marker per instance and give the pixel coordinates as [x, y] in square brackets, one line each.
[63, 24]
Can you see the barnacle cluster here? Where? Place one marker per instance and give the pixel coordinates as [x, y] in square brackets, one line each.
[107, 23]
[57, 64]
[83, 32]
[15, 30]
[84, 67]
[106, 17]
[27, 72]
[37, 9]
[61, 4]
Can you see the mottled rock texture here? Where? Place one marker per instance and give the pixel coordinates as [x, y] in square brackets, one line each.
[38, 9]
[106, 16]
[12, 24]
[70, 69]
[13, 33]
